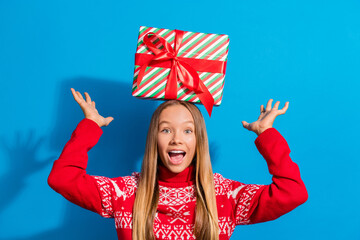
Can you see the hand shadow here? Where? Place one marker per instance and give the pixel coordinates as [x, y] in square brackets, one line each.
[118, 152]
[122, 144]
[23, 162]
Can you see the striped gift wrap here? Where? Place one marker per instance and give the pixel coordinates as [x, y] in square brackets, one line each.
[194, 45]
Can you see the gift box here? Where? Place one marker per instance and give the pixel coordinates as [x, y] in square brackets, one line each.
[175, 64]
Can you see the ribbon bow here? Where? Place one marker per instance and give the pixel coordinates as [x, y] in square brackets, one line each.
[181, 69]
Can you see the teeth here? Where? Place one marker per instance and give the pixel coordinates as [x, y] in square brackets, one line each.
[177, 151]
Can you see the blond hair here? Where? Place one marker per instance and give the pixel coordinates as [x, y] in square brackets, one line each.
[147, 194]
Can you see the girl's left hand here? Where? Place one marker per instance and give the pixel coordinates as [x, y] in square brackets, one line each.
[266, 118]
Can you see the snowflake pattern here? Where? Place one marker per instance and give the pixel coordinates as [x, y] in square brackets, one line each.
[178, 214]
[105, 188]
[174, 231]
[243, 204]
[123, 220]
[177, 204]
[176, 196]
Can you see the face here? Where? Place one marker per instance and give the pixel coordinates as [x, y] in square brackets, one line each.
[176, 138]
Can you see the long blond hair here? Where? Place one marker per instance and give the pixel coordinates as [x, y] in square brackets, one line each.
[147, 193]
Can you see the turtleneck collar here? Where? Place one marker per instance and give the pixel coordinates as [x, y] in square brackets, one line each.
[182, 179]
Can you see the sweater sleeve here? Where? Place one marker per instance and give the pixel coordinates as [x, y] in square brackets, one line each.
[69, 178]
[260, 203]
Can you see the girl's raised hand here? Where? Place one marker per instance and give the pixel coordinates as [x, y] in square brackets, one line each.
[88, 107]
[266, 118]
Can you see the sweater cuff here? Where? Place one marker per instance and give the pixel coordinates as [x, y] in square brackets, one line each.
[267, 141]
[267, 136]
[89, 130]
[90, 126]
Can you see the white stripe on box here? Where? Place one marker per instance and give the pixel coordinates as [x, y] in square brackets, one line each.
[155, 79]
[144, 46]
[216, 53]
[162, 95]
[223, 58]
[167, 39]
[217, 94]
[137, 72]
[201, 44]
[191, 41]
[152, 29]
[219, 40]
[212, 77]
[215, 85]
[144, 78]
[160, 33]
[186, 34]
[181, 90]
[196, 100]
[162, 84]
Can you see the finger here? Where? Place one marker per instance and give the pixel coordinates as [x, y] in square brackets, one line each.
[42, 163]
[268, 105]
[29, 139]
[93, 104]
[276, 105]
[76, 97]
[245, 124]
[18, 139]
[5, 144]
[108, 120]
[80, 96]
[262, 110]
[284, 109]
[88, 98]
[38, 144]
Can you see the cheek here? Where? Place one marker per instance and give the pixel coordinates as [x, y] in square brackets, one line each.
[161, 142]
[160, 147]
[160, 153]
[192, 145]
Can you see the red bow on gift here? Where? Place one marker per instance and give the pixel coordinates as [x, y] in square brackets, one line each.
[182, 69]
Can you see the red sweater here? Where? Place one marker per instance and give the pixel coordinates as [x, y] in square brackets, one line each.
[237, 203]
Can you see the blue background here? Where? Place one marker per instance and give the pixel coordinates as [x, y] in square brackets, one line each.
[305, 52]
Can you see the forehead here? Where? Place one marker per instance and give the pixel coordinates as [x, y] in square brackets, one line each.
[176, 114]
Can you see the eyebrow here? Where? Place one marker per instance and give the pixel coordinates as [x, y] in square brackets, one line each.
[169, 122]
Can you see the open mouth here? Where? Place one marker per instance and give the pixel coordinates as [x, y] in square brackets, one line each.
[176, 156]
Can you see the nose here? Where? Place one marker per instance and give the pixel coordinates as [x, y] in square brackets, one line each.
[176, 138]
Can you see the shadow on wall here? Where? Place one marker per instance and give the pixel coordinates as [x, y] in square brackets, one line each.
[117, 153]
[23, 162]
[123, 141]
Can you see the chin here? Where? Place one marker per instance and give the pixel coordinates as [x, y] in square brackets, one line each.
[176, 169]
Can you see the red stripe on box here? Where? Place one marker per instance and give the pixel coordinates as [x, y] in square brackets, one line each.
[187, 92]
[197, 43]
[208, 87]
[218, 90]
[157, 83]
[222, 55]
[216, 49]
[185, 42]
[207, 48]
[153, 38]
[141, 36]
[189, 38]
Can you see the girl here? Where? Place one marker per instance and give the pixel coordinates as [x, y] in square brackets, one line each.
[176, 195]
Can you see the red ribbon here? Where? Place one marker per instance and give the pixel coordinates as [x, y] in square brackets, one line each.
[182, 69]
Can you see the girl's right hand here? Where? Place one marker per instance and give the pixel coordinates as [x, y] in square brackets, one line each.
[88, 107]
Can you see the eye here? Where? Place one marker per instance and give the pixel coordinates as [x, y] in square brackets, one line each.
[188, 131]
[165, 130]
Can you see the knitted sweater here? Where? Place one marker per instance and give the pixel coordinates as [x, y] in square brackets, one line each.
[237, 203]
